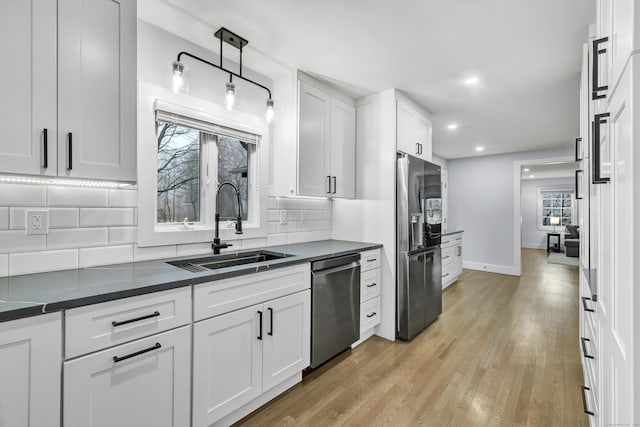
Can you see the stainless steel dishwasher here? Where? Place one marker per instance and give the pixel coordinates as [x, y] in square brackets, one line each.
[335, 306]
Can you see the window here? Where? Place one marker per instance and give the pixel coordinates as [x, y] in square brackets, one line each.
[559, 204]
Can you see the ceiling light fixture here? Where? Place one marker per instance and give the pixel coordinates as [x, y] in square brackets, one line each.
[526, 170]
[479, 148]
[452, 126]
[532, 176]
[471, 81]
[178, 81]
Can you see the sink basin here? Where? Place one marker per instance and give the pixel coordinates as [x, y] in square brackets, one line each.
[198, 265]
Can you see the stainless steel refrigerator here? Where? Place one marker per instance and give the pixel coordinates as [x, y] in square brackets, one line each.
[418, 229]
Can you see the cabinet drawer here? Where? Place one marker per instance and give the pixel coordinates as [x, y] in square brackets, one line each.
[447, 271]
[450, 240]
[369, 314]
[222, 296]
[369, 284]
[448, 255]
[370, 260]
[103, 325]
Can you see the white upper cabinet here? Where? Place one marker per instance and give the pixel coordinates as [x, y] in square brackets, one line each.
[97, 89]
[326, 143]
[414, 131]
[70, 109]
[28, 108]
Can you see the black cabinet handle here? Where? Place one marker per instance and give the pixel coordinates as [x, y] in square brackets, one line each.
[328, 184]
[334, 185]
[156, 346]
[583, 340]
[584, 305]
[459, 238]
[598, 121]
[69, 151]
[372, 285]
[584, 401]
[596, 54]
[260, 315]
[270, 321]
[45, 148]
[445, 257]
[446, 275]
[137, 319]
[578, 194]
[578, 145]
[372, 259]
[372, 314]
[417, 148]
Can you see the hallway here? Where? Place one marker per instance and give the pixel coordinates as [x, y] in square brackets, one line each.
[505, 352]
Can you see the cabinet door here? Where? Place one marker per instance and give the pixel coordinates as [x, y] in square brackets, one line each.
[28, 45]
[31, 361]
[97, 89]
[287, 342]
[343, 149]
[227, 363]
[148, 386]
[424, 130]
[314, 121]
[407, 129]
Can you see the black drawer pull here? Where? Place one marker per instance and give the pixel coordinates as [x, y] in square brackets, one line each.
[260, 314]
[137, 319]
[445, 257]
[372, 314]
[584, 348]
[117, 359]
[459, 238]
[584, 401]
[446, 275]
[271, 321]
[69, 151]
[372, 259]
[584, 305]
[372, 285]
[45, 148]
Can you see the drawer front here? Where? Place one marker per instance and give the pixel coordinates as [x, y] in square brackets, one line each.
[447, 271]
[450, 240]
[369, 314]
[369, 284]
[99, 326]
[222, 296]
[370, 260]
[448, 255]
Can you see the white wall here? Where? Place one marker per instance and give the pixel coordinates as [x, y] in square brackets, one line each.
[481, 200]
[440, 161]
[532, 237]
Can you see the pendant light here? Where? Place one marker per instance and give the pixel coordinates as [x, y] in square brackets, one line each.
[178, 80]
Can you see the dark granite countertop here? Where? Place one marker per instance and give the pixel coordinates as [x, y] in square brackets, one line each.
[448, 233]
[31, 294]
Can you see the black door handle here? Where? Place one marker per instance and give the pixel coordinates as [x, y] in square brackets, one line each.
[334, 185]
[45, 148]
[583, 340]
[69, 151]
[596, 54]
[578, 145]
[598, 121]
[584, 305]
[260, 315]
[270, 333]
[117, 359]
[417, 148]
[137, 319]
[578, 194]
[584, 401]
[329, 184]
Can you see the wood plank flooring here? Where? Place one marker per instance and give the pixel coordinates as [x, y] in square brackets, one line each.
[505, 352]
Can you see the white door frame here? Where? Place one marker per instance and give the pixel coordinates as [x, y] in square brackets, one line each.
[517, 214]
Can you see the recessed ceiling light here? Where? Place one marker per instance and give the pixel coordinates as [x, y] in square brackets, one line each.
[471, 80]
[526, 169]
[452, 126]
[479, 148]
[532, 176]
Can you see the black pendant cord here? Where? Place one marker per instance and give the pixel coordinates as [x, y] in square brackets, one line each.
[220, 67]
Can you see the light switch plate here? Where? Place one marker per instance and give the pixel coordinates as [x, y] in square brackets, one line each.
[283, 217]
[36, 222]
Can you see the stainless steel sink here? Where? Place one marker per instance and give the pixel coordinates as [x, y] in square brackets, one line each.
[198, 265]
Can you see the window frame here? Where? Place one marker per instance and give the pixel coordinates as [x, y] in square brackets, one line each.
[539, 206]
[151, 233]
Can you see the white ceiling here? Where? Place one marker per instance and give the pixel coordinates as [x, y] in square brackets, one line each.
[526, 53]
[552, 170]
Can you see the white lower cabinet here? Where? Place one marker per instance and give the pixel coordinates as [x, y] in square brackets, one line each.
[142, 383]
[30, 366]
[451, 258]
[240, 355]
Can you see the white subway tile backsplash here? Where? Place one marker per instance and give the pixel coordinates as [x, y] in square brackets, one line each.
[327, 235]
[293, 215]
[195, 249]
[312, 236]
[123, 198]
[77, 238]
[106, 217]
[23, 195]
[91, 257]
[322, 225]
[156, 252]
[276, 239]
[306, 226]
[17, 241]
[272, 203]
[4, 265]
[77, 197]
[4, 218]
[17, 218]
[272, 227]
[273, 215]
[123, 235]
[64, 217]
[296, 237]
[253, 243]
[38, 262]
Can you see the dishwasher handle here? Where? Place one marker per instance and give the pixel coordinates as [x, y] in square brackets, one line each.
[338, 261]
[354, 264]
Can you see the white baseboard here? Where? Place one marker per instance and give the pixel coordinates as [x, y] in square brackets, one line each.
[533, 246]
[363, 337]
[501, 269]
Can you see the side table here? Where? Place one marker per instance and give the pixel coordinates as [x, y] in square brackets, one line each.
[553, 246]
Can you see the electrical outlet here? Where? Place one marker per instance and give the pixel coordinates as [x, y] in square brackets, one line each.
[283, 217]
[36, 222]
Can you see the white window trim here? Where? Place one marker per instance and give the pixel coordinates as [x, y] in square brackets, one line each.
[152, 234]
[559, 189]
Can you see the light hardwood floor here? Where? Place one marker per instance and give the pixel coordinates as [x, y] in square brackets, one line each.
[503, 353]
